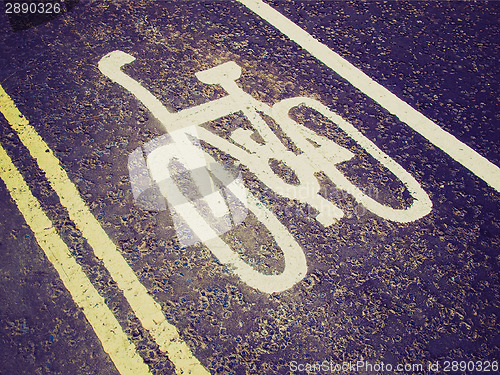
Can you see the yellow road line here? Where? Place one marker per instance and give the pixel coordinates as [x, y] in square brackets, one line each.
[145, 307]
[108, 330]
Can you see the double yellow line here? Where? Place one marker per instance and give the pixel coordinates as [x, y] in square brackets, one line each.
[114, 340]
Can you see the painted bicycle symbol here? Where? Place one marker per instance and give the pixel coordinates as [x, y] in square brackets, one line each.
[215, 211]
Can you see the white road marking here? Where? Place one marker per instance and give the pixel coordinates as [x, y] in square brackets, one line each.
[193, 159]
[257, 160]
[421, 205]
[256, 156]
[145, 307]
[114, 340]
[321, 157]
[312, 159]
[174, 123]
[295, 261]
[459, 151]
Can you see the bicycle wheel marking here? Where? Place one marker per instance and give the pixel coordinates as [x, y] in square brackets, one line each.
[459, 151]
[421, 204]
[145, 307]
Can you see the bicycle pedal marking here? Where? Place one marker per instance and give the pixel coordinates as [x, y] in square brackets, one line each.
[212, 213]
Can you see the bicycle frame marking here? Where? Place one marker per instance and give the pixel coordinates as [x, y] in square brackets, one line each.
[319, 154]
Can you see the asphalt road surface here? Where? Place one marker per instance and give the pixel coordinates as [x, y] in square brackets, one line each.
[370, 236]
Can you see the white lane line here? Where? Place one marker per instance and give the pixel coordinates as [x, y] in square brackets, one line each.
[145, 307]
[114, 341]
[459, 151]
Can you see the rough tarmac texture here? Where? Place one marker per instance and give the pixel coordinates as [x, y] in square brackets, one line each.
[376, 290]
